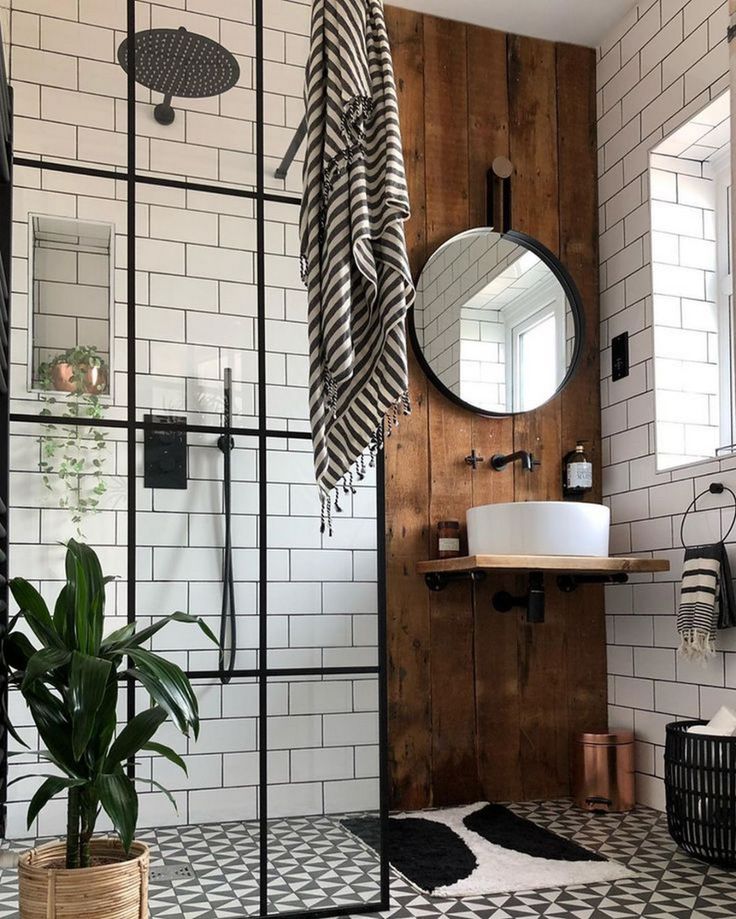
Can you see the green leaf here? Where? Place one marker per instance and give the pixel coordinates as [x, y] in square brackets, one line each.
[105, 725]
[137, 732]
[120, 802]
[64, 615]
[79, 595]
[171, 755]
[120, 636]
[48, 790]
[96, 591]
[168, 687]
[35, 612]
[5, 719]
[151, 630]
[48, 758]
[87, 681]
[17, 650]
[44, 662]
[52, 721]
[160, 788]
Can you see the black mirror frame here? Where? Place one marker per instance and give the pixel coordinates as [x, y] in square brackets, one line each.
[576, 308]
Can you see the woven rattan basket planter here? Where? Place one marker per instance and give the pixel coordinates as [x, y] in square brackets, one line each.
[700, 788]
[116, 890]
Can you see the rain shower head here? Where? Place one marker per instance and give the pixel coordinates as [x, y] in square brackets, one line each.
[176, 62]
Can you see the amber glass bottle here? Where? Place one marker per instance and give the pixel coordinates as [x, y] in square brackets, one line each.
[448, 539]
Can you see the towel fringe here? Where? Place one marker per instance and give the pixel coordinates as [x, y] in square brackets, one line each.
[330, 500]
[697, 645]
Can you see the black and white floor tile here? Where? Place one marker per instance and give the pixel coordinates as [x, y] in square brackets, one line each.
[210, 872]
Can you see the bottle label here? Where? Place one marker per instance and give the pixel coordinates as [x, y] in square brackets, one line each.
[449, 544]
[579, 475]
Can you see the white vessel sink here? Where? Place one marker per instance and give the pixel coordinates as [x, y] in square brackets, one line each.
[539, 528]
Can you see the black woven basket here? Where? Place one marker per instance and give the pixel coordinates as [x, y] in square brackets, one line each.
[700, 785]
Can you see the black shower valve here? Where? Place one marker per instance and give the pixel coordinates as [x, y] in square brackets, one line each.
[474, 460]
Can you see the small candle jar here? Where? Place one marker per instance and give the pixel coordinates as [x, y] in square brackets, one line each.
[448, 539]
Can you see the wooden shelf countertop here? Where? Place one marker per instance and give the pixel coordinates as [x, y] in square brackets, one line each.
[588, 563]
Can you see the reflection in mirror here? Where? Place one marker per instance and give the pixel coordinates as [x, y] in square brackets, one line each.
[690, 182]
[494, 323]
[70, 305]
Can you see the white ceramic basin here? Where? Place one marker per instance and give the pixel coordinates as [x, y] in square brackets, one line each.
[539, 528]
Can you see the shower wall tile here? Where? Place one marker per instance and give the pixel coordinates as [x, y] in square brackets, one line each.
[74, 48]
[196, 314]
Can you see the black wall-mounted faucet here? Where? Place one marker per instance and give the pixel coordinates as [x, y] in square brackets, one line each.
[527, 461]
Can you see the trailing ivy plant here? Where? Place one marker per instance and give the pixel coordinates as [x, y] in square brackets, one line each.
[70, 680]
[72, 456]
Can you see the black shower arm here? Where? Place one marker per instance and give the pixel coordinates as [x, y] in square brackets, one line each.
[296, 142]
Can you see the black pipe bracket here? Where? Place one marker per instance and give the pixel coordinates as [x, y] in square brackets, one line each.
[568, 583]
[438, 580]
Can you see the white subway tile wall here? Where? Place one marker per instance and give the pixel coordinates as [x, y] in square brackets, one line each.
[663, 63]
[71, 90]
[196, 314]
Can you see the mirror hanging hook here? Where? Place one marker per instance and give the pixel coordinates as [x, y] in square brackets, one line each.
[498, 194]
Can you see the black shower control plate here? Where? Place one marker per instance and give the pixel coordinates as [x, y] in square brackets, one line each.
[164, 453]
[620, 356]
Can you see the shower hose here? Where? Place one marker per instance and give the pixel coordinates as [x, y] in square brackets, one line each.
[228, 622]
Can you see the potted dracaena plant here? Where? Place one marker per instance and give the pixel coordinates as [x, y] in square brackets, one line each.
[70, 680]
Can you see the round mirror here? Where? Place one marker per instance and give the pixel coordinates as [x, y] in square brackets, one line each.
[497, 322]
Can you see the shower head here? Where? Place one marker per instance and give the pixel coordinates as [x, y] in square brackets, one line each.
[176, 62]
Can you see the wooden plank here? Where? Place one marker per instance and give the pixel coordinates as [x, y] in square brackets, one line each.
[488, 113]
[581, 410]
[535, 210]
[407, 475]
[406, 36]
[454, 772]
[446, 129]
[591, 564]
[496, 676]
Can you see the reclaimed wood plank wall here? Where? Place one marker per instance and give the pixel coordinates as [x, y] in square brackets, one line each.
[485, 705]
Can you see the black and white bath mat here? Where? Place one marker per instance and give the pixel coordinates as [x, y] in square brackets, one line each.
[482, 849]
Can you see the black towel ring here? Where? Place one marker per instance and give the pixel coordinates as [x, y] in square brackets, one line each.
[715, 488]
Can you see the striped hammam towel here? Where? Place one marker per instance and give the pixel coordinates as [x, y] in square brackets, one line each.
[706, 600]
[353, 251]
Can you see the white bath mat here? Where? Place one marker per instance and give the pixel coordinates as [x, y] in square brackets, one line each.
[483, 849]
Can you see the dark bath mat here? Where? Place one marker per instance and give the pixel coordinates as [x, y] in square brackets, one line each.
[482, 849]
[425, 852]
[504, 828]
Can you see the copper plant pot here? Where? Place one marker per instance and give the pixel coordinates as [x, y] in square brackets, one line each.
[93, 382]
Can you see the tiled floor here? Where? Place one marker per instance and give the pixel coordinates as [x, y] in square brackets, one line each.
[316, 864]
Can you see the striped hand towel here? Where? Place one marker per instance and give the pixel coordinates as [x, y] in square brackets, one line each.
[706, 600]
[354, 259]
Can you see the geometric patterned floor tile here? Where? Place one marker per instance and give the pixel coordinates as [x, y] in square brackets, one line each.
[315, 864]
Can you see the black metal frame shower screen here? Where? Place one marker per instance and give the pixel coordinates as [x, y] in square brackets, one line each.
[262, 673]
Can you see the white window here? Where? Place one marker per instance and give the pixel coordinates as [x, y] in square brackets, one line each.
[531, 342]
[690, 182]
